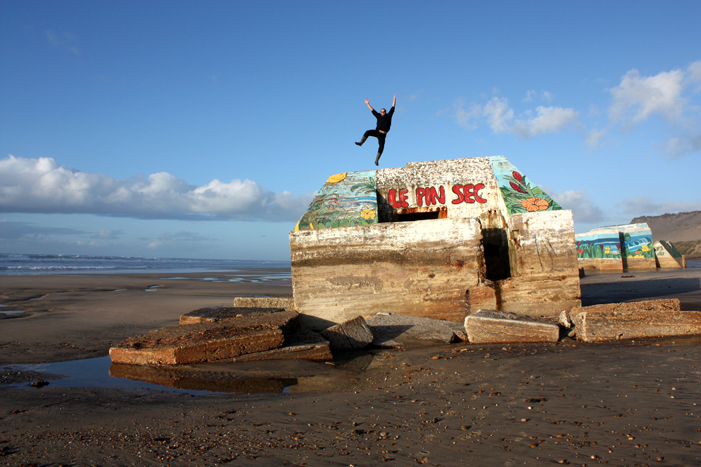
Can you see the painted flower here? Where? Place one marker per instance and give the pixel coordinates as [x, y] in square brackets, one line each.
[645, 248]
[535, 204]
[367, 213]
[337, 178]
[580, 251]
[517, 176]
[607, 250]
[516, 187]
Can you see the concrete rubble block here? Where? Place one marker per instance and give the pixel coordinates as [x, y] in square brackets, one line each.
[353, 334]
[391, 330]
[605, 325]
[265, 302]
[205, 342]
[668, 304]
[565, 322]
[300, 344]
[217, 314]
[492, 327]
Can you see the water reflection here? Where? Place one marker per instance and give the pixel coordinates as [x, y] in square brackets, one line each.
[201, 380]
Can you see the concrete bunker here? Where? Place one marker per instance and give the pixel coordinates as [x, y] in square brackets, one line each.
[436, 239]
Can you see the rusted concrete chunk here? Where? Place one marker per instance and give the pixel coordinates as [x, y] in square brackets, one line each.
[206, 342]
[670, 304]
[491, 327]
[353, 334]
[287, 303]
[392, 330]
[565, 322]
[301, 344]
[216, 314]
[601, 326]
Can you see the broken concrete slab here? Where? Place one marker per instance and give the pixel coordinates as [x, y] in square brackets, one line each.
[300, 344]
[392, 331]
[217, 314]
[287, 303]
[492, 327]
[205, 342]
[606, 325]
[670, 304]
[565, 322]
[353, 334]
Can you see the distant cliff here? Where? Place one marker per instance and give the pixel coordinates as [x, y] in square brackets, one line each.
[682, 229]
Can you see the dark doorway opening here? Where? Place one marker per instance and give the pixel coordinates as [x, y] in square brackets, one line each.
[496, 254]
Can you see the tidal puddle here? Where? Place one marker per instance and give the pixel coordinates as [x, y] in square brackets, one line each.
[279, 376]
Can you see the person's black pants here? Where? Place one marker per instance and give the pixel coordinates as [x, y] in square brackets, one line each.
[380, 138]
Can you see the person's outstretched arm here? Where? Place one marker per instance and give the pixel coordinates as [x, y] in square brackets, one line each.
[394, 101]
[367, 102]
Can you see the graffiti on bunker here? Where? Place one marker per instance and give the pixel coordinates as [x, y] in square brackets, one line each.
[520, 194]
[345, 200]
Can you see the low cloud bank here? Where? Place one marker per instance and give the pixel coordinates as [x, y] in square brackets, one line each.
[43, 186]
[668, 95]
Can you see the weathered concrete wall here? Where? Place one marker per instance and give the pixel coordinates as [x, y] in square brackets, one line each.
[442, 239]
[545, 276]
[423, 268]
[616, 248]
[667, 256]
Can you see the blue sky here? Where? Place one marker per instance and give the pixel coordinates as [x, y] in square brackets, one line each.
[202, 129]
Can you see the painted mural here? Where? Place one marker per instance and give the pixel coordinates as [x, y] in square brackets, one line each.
[667, 248]
[345, 200]
[519, 194]
[601, 245]
[616, 242]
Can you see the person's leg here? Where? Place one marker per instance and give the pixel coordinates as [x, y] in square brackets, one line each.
[381, 140]
[365, 136]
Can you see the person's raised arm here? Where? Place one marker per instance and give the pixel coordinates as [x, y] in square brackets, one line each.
[367, 102]
[394, 101]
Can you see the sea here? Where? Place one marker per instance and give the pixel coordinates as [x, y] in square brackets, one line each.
[12, 264]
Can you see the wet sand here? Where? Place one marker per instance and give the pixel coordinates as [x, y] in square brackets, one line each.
[570, 404]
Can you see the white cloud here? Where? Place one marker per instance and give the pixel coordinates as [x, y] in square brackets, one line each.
[680, 145]
[547, 120]
[646, 205]
[530, 96]
[593, 138]
[498, 114]
[16, 230]
[167, 238]
[63, 41]
[546, 96]
[467, 118]
[694, 74]
[582, 208]
[637, 97]
[43, 186]
[108, 234]
[501, 117]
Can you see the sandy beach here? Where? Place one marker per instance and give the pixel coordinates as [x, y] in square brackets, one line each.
[631, 403]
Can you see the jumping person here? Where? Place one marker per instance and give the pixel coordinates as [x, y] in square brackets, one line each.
[384, 121]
